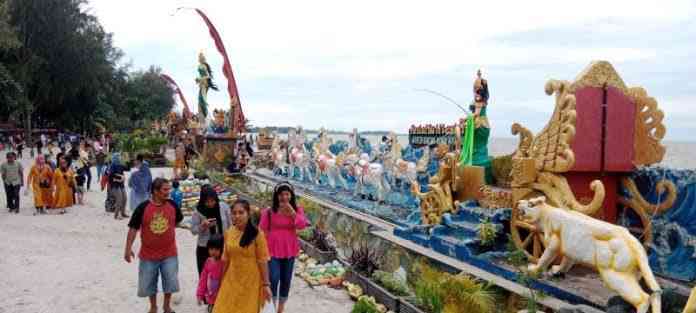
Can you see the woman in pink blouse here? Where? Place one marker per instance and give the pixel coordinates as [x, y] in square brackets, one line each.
[281, 223]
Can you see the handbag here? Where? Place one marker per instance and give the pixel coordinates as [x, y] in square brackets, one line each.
[269, 307]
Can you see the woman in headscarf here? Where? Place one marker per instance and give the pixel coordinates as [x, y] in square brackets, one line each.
[64, 180]
[139, 182]
[211, 217]
[41, 181]
[116, 192]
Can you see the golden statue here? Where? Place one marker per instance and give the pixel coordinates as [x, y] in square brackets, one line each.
[438, 199]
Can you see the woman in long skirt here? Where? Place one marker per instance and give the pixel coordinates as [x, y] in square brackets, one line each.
[41, 181]
[245, 286]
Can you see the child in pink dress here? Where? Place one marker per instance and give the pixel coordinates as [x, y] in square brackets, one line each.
[211, 276]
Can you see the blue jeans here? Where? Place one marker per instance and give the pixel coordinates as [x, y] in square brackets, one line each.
[100, 170]
[281, 277]
[148, 274]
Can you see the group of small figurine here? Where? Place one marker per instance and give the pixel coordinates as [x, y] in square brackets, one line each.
[382, 168]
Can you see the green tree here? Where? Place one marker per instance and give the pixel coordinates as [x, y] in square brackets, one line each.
[10, 89]
[148, 97]
[59, 67]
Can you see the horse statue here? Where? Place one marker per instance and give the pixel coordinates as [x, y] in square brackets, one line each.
[278, 155]
[326, 162]
[400, 169]
[368, 173]
[298, 156]
[408, 171]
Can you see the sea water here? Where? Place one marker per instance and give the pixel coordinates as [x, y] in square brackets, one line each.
[679, 153]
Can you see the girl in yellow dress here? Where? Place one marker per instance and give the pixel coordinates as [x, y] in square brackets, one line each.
[41, 181]
[64, 180]
[245, 286]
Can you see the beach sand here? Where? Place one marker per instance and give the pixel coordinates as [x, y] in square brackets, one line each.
[74, 263]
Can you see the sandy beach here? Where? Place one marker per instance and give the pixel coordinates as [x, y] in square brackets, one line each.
[74, 263]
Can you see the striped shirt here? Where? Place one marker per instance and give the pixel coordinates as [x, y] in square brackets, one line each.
[12, 173]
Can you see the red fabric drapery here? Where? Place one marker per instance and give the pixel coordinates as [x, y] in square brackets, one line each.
[227, 71]
[187, 113]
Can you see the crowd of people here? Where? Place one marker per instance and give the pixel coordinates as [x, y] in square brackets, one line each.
[61, 173]
[243, 266]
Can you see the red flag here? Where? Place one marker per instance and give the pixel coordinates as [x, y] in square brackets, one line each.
[227, 71]
[187, 113]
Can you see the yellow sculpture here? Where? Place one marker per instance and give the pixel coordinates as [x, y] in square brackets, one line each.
[649, 129]
[645, 209]
[690, 306]
[540, 161]
[619, 257]
[438, 199]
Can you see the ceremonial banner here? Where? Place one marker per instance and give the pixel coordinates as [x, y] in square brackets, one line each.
[238, 118]
[187, 113]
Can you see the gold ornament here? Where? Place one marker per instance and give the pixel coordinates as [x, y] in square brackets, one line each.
[159, 224]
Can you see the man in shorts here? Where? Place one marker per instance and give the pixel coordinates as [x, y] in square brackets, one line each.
[156, 220]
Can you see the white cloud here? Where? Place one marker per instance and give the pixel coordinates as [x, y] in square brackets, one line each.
[363, 50]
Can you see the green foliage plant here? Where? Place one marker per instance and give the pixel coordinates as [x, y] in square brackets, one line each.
[365, 305]
[487, 232]
[391, 283]
[515, 256]
[531, 299]
[441, 292]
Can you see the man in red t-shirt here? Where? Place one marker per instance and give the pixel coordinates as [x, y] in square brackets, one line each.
[156, 220]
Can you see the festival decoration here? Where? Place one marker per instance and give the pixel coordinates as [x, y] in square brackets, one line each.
[186, 112]
[447, 172]
[238, 120]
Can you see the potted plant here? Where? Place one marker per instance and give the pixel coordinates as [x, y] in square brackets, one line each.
[319, 246]
[363, 262]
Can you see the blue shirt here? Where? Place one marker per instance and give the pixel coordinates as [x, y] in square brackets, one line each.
[177, 196]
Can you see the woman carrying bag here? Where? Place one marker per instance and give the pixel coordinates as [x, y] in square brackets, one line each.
[281, 223]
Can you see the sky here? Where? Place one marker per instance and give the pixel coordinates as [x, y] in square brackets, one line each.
[360, 64]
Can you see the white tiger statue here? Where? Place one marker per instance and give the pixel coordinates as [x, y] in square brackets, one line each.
[617, 255]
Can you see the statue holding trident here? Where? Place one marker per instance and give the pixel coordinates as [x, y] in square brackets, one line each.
[473, 131]
[205, 82]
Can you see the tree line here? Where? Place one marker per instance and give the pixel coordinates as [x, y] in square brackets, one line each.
[59, 68]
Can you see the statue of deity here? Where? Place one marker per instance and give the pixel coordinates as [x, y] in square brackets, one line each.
[474, 131]
[481, 87]
[205, 82]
